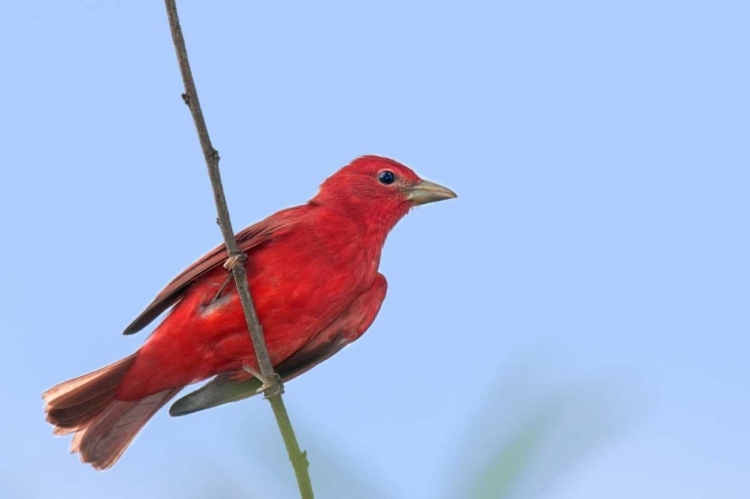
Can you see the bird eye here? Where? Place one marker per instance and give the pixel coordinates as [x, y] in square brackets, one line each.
[386, 177]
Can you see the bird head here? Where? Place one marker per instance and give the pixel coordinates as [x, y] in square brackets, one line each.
[378, 190]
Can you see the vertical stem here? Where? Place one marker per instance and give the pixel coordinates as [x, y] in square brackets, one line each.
[271, 381]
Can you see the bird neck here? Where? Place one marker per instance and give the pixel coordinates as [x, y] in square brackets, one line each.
[371, 224]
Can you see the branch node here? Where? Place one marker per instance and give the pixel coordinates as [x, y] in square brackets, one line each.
[186, 99]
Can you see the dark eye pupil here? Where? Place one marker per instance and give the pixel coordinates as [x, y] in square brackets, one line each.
[387, 177]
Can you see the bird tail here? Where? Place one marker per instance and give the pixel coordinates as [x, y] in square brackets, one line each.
[103, 426]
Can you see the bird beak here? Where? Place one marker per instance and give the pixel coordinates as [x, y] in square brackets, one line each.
[424, 192]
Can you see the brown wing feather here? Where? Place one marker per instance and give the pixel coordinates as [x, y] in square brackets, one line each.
[247, 239]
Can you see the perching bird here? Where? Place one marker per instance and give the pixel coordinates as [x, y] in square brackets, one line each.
[313, 274]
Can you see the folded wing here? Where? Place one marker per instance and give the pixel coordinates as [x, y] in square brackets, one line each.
[226, 387]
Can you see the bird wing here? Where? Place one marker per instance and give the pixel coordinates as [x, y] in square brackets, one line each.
[226, 387]
[247, 239]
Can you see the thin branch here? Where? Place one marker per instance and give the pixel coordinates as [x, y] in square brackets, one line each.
[273, 388]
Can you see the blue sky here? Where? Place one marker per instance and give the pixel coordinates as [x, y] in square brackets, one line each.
[600, 152]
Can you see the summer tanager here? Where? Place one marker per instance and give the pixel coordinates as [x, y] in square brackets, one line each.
[313, 274]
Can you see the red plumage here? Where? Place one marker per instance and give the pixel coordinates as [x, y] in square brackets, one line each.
[313, 274]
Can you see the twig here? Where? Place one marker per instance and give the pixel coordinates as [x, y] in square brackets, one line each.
[235, 263]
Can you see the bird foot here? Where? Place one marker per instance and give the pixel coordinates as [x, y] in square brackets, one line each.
[232, 261]
[266, 383]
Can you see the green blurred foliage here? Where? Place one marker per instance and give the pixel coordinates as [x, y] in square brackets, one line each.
[546, 438]
[527, 433]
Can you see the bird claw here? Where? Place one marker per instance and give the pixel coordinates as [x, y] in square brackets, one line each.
[232, 261]
[265, 382]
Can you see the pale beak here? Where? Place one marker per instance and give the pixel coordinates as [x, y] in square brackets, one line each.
[425, 192]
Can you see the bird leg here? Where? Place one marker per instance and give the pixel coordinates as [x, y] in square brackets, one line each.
[221, 289]
[231, 262]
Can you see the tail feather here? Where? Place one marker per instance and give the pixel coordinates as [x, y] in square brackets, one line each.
[103, 440]
[72, 417]
[79, 390]
[103, 425]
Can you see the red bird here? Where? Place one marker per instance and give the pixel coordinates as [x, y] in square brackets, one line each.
[313, 274]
